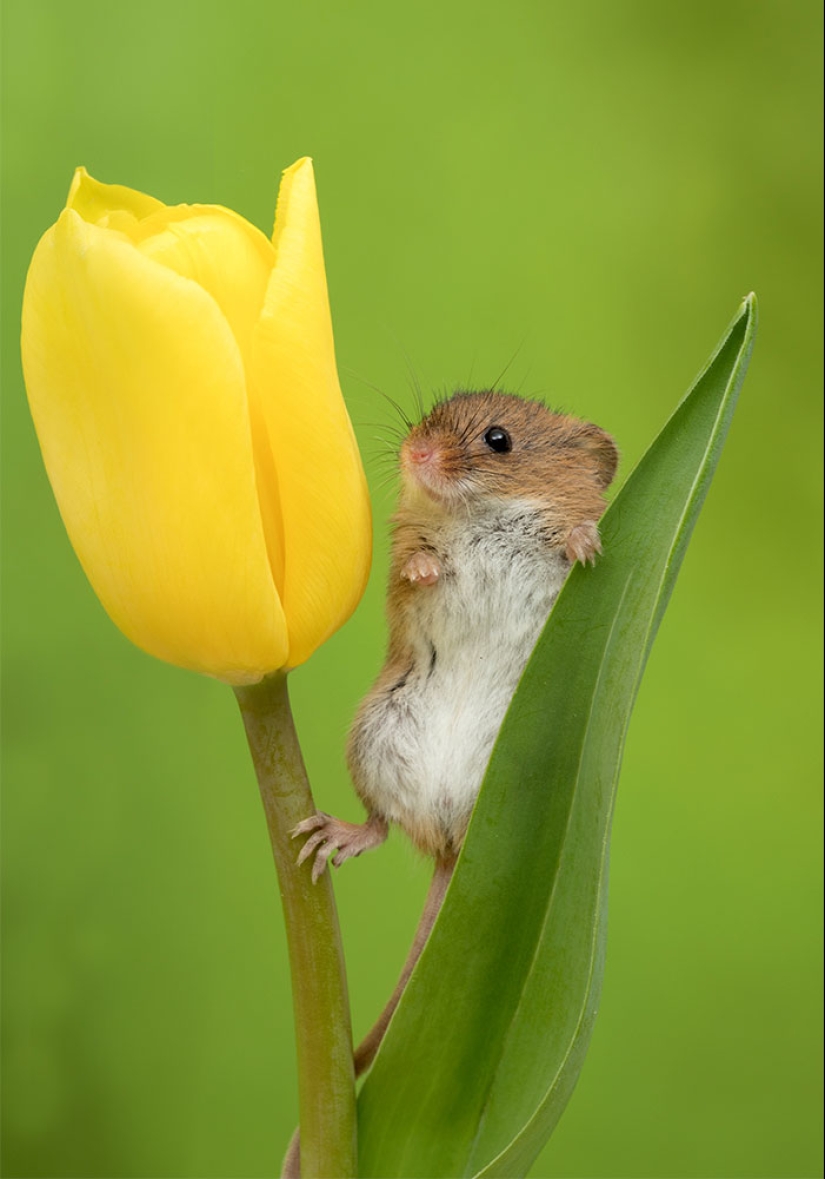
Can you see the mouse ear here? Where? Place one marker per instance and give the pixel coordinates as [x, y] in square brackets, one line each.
[601, 446]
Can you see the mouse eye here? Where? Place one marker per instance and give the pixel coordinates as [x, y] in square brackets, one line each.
[498, 440]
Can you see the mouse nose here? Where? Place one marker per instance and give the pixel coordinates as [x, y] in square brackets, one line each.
[422, 459]
[420, 452]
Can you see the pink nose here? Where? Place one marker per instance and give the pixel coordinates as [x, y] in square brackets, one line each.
[420, 452]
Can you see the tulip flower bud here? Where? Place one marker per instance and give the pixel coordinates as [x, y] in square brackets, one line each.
[181, 375]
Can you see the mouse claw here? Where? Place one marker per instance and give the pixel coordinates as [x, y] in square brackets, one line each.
[583, 543]
[422, 569]
[311, 824]
[328, 836]
[310, 846]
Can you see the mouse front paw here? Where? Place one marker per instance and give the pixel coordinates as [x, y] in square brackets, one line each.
[329, 835]
[583, 543]
[422, 569]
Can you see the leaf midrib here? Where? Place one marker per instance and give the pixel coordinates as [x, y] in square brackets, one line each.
[551, 900]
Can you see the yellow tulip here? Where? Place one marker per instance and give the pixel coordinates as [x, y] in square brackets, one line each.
[181, 376]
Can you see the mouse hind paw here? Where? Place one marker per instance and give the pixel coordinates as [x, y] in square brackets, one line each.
[328, 836]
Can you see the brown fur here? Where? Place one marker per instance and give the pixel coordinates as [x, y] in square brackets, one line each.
[557, 462]
[549, 455]
[559, 466]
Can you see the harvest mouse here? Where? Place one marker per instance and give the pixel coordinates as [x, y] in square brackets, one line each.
[499, 497]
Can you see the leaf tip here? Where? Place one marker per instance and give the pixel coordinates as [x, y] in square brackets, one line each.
[750, 306]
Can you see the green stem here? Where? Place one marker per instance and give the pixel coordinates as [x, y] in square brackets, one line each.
[326, 1080]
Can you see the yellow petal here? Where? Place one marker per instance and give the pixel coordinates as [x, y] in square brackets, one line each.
[110, 206]
[232, 260]
[137, 390]
[220, 251]
[324, 500]
[225, 255]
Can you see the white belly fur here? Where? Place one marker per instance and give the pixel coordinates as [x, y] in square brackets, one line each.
[419, 748]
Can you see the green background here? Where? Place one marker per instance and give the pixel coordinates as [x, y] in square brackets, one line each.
[583, 191]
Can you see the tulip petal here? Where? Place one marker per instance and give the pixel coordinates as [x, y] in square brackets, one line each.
[138, 395]
[232, 260]
[111, 206]
[221, 251]
[324, 499]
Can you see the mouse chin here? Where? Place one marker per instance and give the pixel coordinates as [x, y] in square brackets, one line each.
[430, 485]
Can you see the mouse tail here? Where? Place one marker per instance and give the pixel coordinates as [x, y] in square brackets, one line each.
[291, 1166]
[366, 1050]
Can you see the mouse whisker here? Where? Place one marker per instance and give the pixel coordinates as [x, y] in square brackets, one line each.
[472, 424]
[403, 415]
[386, 480]
[412, 376]
[382, 453]
[469, 381]
[508, 365]
[523, 382]
[415, 386]
[390, 434]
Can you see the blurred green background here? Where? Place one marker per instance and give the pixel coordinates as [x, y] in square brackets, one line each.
[585, 191]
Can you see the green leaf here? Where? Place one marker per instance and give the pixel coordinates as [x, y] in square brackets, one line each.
[487, 1043]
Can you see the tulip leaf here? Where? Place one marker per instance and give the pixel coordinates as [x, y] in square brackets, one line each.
[487, 1043]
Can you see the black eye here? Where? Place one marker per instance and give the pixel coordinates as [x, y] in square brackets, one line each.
[498, 440]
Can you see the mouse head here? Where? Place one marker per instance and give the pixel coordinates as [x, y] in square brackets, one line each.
[478, 447]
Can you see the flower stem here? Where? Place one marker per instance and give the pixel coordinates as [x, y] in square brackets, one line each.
[326, 1081]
